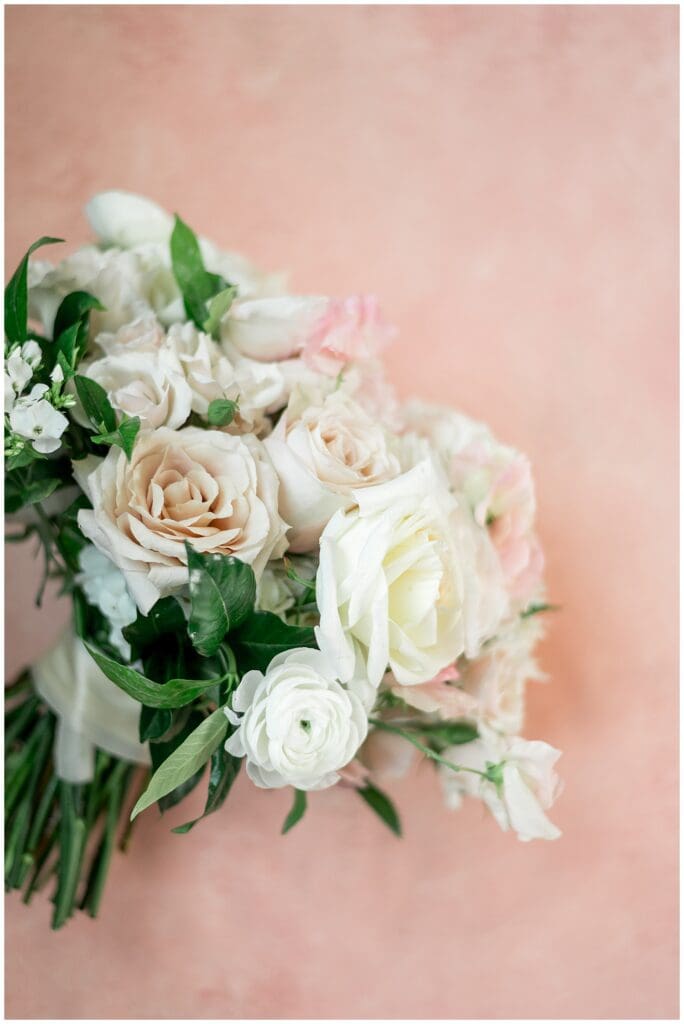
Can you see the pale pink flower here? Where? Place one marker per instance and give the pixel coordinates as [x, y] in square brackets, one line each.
[350, 329]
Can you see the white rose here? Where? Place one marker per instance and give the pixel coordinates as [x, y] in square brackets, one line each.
[150, 385]
[217, 491]
[399, 581]
[273, 328]
[145, 334]
[297, 726]
[214, 372]
[527, 787]
[322, 453]
[92, 710]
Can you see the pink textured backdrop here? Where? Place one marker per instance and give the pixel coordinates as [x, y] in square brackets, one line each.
[505, 180]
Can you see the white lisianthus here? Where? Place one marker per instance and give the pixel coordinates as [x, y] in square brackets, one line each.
[104, 585]
[404, 579]
[217, 491]
[526, 786]
[322, 453]
[34, 418]
[150, 385]
[273, 328]
[92, 711]
[214, 372]
[296, 724]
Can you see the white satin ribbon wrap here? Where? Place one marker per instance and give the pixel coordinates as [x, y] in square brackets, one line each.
[92, 711]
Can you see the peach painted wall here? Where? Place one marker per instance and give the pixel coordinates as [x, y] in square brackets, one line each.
[505, 179]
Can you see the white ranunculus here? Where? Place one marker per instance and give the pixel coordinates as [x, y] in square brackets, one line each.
[213, 372]
[273, 328]
[104, 585]
[125, 219]
[150, 385]
[296, 724]
[322, 453]
[217, 491]
[92, 711]
[528, 784]
[403, 579]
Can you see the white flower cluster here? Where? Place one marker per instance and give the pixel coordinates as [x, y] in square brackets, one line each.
[415, 525]
[33, 415]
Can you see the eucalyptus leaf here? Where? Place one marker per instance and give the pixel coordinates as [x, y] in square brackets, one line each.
[382, 805]
[185, 761]
[175, 693]
[16, 295]
[264, 635]
[222, 594]
[296, 812]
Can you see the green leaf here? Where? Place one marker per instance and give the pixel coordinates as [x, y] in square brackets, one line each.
[185, 761]
[264, 635]
[218, 307]
[382, 805]
[224, 771]
[448, 733]
[222, 594]
[221, 412]
[74, 309]
[38, 487]
[537, 609]
[165, 617]
[176, 693]
[296, 812]
[197, 285]
[124, 436]
[154, 722]
[96, 405]
[16, 295]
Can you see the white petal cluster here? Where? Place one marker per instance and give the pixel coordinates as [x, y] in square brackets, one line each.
[296, 724]
[105, 588]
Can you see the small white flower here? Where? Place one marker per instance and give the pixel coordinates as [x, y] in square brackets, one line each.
[33, 417]
[19, 370]
[297, 726]
[10, 394]
[31, 354]
[104, 586]
[527, 784]
[57, 375]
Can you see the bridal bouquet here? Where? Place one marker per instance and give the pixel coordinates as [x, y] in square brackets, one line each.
[273, 563]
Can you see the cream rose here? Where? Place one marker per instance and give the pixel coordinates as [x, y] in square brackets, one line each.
[150, 385]
[217, 491]
[321, 453]
[296, 724]
[214, 372]
[274, 328]
[93, 712]
[401, 581]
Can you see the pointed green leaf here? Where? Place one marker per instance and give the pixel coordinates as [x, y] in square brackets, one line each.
[224, 771]
[96, 404]
[176, 693]
[382, 805]
[73, 309]
[296, 812]
[264, 635]
[16, 295]
[185, 761]
[218, 307]
[124, 436]
[222, 594]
